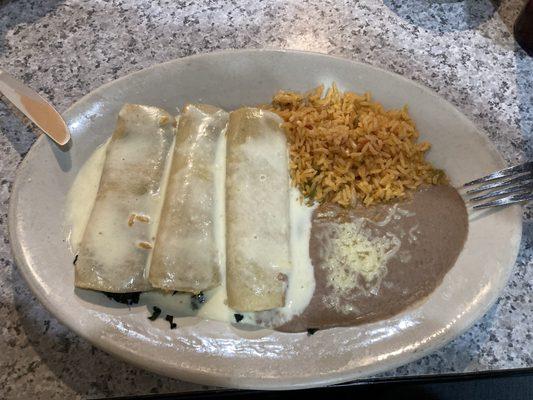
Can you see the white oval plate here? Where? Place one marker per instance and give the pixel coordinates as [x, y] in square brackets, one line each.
[215, 353]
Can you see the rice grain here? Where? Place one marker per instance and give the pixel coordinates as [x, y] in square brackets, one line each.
[344, 147]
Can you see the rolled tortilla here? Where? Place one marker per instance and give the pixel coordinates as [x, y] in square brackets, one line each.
[117, 241]
[257, 211]
[186, 256]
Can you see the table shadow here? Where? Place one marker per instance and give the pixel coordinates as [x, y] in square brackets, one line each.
[444, 15]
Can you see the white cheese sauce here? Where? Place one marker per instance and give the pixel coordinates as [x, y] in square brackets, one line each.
[301, 283]
[81, 196]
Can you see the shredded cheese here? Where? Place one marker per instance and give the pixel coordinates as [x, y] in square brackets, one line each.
[355, 260]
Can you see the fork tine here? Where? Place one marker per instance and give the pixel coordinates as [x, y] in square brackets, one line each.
[509, 190]
[525, 167]
[517, 198]
[524, 179]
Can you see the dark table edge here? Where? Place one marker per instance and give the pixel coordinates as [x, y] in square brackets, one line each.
[342, 387]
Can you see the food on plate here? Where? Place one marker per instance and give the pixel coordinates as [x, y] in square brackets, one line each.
[309, 213]
[186, 255]
[257, 211]
[116, 246]
[345, 147]
[372, 263]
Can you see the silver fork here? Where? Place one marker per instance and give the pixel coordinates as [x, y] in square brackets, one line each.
[507, 186]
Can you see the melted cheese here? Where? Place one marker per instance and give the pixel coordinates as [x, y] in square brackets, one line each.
[257, 211]
[81, 196]
[116, 246]
[355, 260]
[301, 282]
[185, 256]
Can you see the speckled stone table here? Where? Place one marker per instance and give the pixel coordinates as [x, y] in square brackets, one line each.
[464, 50]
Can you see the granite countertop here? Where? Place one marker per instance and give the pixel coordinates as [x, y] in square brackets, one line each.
[464, 50]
